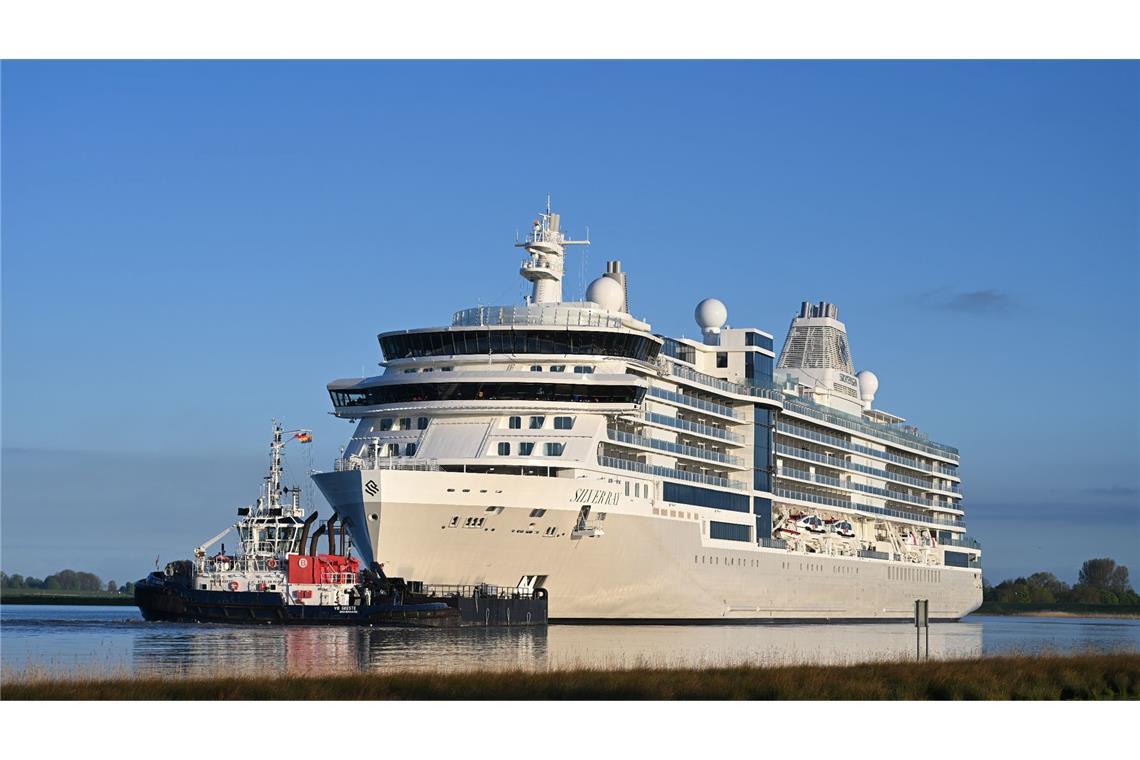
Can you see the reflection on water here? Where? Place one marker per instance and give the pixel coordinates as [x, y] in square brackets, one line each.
[116, 639]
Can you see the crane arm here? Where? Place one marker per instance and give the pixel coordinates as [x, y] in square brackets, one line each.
[201, 550]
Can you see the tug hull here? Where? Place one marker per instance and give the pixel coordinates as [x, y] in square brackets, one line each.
[160, 598]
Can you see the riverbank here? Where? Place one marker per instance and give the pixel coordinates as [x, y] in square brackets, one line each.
[1126, 612]
[1053, 677]
[42, 596]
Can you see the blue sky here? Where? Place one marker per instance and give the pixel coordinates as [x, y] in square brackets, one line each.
[190, 249]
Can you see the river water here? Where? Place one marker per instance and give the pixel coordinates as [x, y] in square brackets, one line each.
[116, 640]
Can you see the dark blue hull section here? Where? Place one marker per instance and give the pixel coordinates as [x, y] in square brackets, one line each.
[161, 599]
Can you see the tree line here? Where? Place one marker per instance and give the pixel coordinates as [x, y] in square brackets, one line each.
[1100, 581]
[64, 580]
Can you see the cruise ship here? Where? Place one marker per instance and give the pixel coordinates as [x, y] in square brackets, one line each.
[642, 478]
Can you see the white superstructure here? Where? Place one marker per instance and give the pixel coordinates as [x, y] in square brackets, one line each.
[639, 477]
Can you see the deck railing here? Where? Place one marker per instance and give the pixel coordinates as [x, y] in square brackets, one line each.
[843, 464]
[491, 316]
[696, 403]
[828, 501]
[788, 472]
[384, 463]
[668, 472]
[840, 443]
[694, 427]
[674, 448]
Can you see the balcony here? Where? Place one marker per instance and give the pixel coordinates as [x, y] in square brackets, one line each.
[668, 472]
[695, 403]
[694, 427]
[843, 464]
[787, 472]
[965, 542]
[867, 508]
[679, 449]
[831, 417]
[724, 385]
[870, 429]
[840, 443]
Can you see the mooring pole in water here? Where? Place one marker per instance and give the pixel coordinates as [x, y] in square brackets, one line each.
[921, 620]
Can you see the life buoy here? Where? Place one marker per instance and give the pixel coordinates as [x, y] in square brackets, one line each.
[261, 587]
[271, 564]
[302, 562]
[234, 586]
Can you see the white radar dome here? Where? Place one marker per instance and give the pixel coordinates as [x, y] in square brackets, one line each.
[711, 315]
[607, 293]
[868, 384]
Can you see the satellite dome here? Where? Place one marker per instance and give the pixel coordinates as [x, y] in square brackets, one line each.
[868, 384]
[607, 293]
[711, 315]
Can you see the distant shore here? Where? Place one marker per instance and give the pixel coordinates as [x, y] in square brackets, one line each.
[1060, 610]
[42, 596]
[1052, 677]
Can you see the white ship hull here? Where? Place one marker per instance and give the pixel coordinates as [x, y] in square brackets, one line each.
[632, 565]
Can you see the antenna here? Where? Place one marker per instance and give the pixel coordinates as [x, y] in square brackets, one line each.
[548, 203]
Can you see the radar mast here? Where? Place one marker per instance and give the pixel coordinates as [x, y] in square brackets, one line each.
[546, 245]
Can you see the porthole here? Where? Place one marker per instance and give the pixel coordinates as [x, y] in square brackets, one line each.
[373, 516]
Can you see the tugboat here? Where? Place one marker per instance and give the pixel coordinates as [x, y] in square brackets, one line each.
[279, 576]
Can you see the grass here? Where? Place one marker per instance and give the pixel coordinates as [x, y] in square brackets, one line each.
[1045, 677]
[45, 596]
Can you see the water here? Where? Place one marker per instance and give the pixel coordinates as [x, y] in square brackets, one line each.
[116, 640]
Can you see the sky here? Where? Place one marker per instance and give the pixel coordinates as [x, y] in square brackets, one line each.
[190, 249]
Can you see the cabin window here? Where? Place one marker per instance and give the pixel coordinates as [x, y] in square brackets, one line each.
[469, 391]
[552, 449]
[563, 423]
[405, 423]
[504, 449]
[584, 370]
[721, 360]
[422, 423]
[537, 512]
[536, 368]
[537, 422]
[410, 450]
[393, 449]
[525, 448]
[514, 423]
[385, 424]
[545, 341]
[729, 531]
[557, 367]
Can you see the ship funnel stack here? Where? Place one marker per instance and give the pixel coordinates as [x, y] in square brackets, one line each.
[613, 271]
[816, 357]
[546, 245]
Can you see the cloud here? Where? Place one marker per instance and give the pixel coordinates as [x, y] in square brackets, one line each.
[1116, 490]
[987, 301]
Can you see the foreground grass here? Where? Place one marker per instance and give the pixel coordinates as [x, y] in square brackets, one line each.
[1085, 676]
